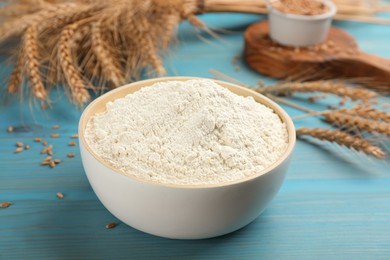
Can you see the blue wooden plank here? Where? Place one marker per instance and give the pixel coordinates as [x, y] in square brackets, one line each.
[333, 205]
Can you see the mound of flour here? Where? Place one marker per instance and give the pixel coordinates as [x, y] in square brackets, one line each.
[188, 133]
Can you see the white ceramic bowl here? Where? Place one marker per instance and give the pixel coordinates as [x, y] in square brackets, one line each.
[177, 211]
[300, 30]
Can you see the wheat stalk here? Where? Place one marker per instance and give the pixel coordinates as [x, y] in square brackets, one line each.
[68, 65]
[343, 139]
[343, 120]
[336, 88]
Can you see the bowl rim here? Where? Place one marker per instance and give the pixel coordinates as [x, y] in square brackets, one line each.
[90, 110]
[330, 13]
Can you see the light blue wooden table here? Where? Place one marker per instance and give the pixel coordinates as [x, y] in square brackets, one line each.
[333, 205]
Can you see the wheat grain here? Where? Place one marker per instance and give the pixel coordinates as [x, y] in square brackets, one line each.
[356, 123]
[60, 195]
[111, 225]
[5, 204]
[344, 139]
[71, 155]
[336, 88]
[19, 149]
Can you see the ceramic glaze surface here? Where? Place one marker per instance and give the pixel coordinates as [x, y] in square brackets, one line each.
[300, 30]
[179, 211]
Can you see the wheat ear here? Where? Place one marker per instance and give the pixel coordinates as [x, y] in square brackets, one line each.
[335, 88]
[31, 54]
[16, 78]
[137, 35]
[357, 123]
[150, 49]
[344, 139]
[367, 112]
[105, 56]
[68, 65]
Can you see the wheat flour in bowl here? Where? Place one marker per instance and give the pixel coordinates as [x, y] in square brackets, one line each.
[187, 133]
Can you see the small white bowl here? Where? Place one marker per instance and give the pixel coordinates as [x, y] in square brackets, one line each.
[300, 30]
[178, 211]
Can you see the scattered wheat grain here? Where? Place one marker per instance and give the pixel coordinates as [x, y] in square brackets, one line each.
[19, 149]
[57, 161]
[52, 164]
[5, 204]
[60, 195]
[111, 225]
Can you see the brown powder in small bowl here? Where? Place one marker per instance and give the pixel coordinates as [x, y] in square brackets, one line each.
[300, 7]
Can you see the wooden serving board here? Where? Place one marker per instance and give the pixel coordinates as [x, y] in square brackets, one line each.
[337, 57]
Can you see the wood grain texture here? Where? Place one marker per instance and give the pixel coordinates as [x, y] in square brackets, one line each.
[333, 205]
[341, 59]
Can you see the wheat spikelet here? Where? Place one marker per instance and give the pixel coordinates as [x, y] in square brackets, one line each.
[67, 63]
[105, 56]
[367, 112]
[357, 123]
[344, 139]
[31, 55]
[336, 88]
